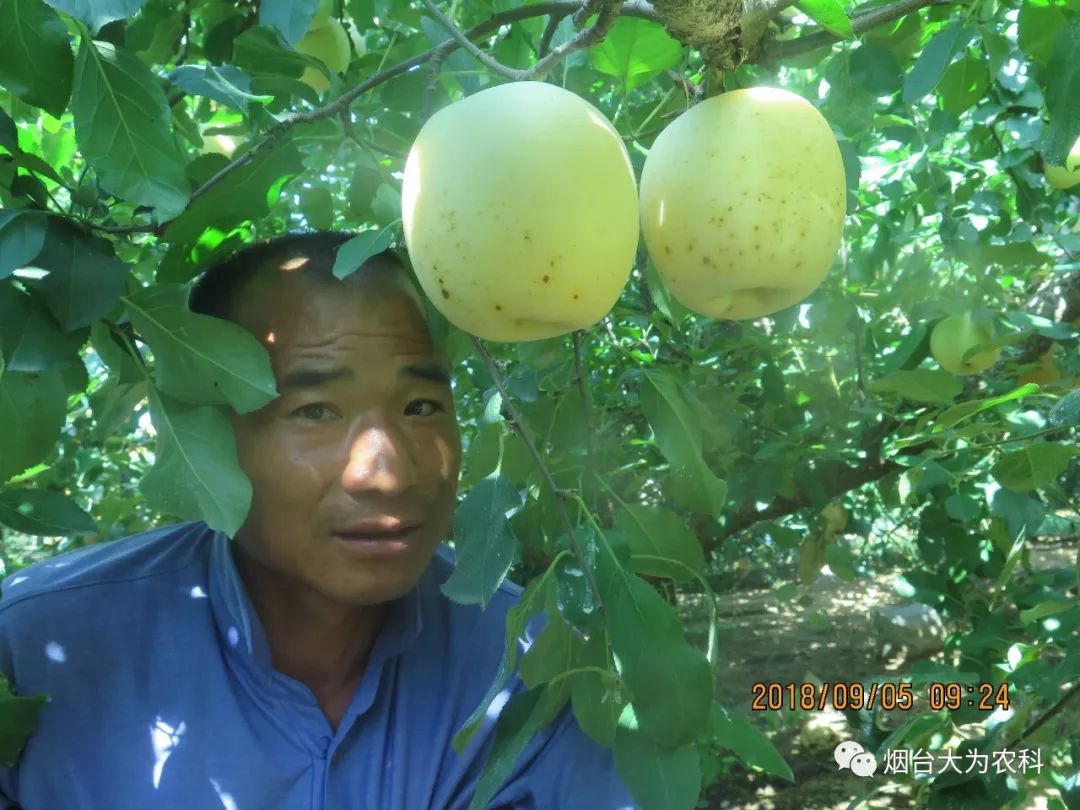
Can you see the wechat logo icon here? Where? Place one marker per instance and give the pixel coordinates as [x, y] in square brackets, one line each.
[851, 755]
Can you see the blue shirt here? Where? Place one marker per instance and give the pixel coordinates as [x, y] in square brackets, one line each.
[163, 696]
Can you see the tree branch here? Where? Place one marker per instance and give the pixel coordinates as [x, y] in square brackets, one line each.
[860, 23]
[508, 403]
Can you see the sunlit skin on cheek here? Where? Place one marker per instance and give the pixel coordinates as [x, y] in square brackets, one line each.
[376, 442]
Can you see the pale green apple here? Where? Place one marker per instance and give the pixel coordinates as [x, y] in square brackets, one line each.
[954, 336]
[329, 44]
[520, 212]
[743, 199]
[1068, 175]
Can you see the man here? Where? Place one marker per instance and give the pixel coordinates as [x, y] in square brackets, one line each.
[311, 661]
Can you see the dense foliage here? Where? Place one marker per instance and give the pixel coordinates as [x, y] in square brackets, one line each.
[142, 139]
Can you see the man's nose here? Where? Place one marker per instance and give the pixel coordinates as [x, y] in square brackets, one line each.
[379, 459]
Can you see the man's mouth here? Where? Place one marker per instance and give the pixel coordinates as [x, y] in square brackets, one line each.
[388, 537]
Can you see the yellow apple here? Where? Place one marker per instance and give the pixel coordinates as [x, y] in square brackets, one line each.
[520, 212]
[951, 339]
[221, 144]
[1068, 175]
[743, 199]
[322, 14]
[330, 45]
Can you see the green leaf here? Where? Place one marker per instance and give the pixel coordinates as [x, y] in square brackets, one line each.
[1033, 466]
[290, 17]
[657, 776]
[116, 354]
[484, 542]
[596, 697]
[963, 84]
[749, 744]
[574, 597]
[875, 70]
[96, 13]
[958, 413]
[22, 235]
[524, 714]
[830, 15]
[124, 130]
[656, 532]
[670, 682]
[9, 134]
[223, 83]
[30, 340]
[18, 720]
[43, 513]
[551, 654]
[33, 409]
[920, 385]
[352, 255]
[261, 50]
[245, 194]
[1062, 91]
[196, 473]
[531, 601]
[1044, 609]
[198, 359]
[1067, 410]
[933, 60]
[35, 55]
[85, 280]
[317, 206]
[679, 435]
[1038, 27]
[635, 51]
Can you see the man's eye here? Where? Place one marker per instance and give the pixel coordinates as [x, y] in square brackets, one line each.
[417, 404]
[315, 412]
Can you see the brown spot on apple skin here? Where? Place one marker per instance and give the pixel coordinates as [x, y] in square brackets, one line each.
[667, 249]
[445, 293]
[547, 279]
[576, 296]
[498, 307]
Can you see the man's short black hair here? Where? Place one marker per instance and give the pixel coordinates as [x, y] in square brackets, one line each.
[217, 290]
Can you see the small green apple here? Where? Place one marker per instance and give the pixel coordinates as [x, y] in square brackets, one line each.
[330, 45]
[1068, 175]
[952, 338]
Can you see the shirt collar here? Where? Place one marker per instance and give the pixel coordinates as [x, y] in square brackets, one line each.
[241, 632]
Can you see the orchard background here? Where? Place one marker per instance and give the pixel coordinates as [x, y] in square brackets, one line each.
[690, 458]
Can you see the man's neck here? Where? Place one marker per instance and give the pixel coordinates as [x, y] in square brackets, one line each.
[321, 644]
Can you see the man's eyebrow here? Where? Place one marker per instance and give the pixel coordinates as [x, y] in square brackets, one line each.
[432, 372]
[313, 377]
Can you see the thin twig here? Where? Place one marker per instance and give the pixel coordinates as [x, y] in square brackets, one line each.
[1049, 713]
[549, 34]
[519, 425]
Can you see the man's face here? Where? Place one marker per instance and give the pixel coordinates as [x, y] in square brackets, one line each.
[377, 438]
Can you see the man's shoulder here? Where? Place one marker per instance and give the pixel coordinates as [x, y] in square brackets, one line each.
[139, 557]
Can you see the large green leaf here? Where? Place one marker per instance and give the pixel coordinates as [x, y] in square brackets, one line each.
[670, 682]
[551, 653]
[290, 17]
[43, 513]
[678, 433]
[963, 84]
[1038, 27]
[596, 696]
[1033, 466]
[658, 777]
[531, 601]
[524, 714]
[748, 742]
[635, 51]
[35, 54]
[1067, 411]
[247, 193]
[198, 359]
[196, 474]
[30, 339]
[123, 127]
[9, 134]
[920, 385]
[22, 235]
[85, 280]
[1063, 94]
[33, 408]
[222, 83]
[18, 720]
[483, 540]
[657, 536]
[935, 57]
[830, 15]
[96, 13]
